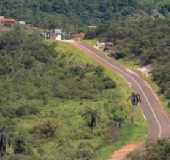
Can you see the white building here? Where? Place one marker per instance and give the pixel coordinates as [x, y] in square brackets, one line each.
[58, 34]
[58, 37]
[21, 22]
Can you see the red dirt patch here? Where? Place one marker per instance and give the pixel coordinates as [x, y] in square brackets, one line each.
[123, 152]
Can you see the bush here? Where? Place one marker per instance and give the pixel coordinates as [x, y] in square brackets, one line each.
[45, 130]
[26, 111]
[118, 55]
[20, 157]
[12, 112]
[109, 83]
[118, 117]
[7, 112]
[112, 133]
[20, 145]
[157, 151]
[85, 151]
[99, 71]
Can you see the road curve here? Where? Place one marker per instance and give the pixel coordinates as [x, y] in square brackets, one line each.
[157, 119]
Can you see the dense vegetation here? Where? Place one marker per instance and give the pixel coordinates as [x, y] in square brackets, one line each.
[71, 14]
[157, 151]
[75, 15]
[55, 105]
[145, 39]
[54, 13]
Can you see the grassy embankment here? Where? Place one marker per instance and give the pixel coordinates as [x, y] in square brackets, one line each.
[134, 65]
[49, 94]
[129, 134]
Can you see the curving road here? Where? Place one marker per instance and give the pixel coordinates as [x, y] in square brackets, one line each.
[157, 119]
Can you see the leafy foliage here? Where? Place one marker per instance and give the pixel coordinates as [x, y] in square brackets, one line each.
[43, 92]
[56, 13]
[145, 39]
[157, 151]
[45, 130]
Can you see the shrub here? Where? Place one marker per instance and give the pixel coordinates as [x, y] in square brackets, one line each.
[118, 55]
[85, 151]
[5, 140]
[111, 133]
[20, 157]
[19, 145]
[168, 104]
[26, 111]
[7, 112]
[157, 151]
[45, 130]
[12, 112]
[109, 83]
[118, 117]
[99, 71]
[77, 70]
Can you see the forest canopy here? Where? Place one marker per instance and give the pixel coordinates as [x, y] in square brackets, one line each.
[145, 40]
[71, 14]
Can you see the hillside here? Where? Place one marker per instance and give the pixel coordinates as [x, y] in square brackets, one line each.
[56, 103]
[145, 41]
[76, 13]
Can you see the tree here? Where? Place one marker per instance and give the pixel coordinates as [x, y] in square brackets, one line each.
[5, 141]
[19, 145]
[91, 117]
[118, 117]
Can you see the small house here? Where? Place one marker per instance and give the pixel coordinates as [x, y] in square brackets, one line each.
[7, 21]
[57, 34]
[22, 22]
[46, 34]
[92, 27]
[100, 45]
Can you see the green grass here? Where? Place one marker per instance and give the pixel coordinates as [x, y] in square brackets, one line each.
[76, 55]
[129, 133]
[55, 90]
[92, 42]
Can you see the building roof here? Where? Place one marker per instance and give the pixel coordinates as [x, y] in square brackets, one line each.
[4, 20]
[4, 30]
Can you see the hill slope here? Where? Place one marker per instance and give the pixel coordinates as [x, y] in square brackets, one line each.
[55, 103]
[53, 13]
[71, 14]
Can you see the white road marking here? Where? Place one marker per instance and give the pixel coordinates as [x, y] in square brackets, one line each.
[144, 116]
[130, 84]
[150, 106]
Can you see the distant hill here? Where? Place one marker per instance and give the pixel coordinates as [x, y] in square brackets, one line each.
[71, 14]
[53, 13]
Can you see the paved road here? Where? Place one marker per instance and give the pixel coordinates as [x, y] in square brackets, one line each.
[157, 119]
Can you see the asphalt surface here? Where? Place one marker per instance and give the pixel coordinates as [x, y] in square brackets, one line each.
[157, 119]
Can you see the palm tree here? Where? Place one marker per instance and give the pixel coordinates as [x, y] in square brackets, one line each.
[135, 99]
[91, 116]
[5, 141]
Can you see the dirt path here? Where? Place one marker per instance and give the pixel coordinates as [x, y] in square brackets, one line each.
[122, 153]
